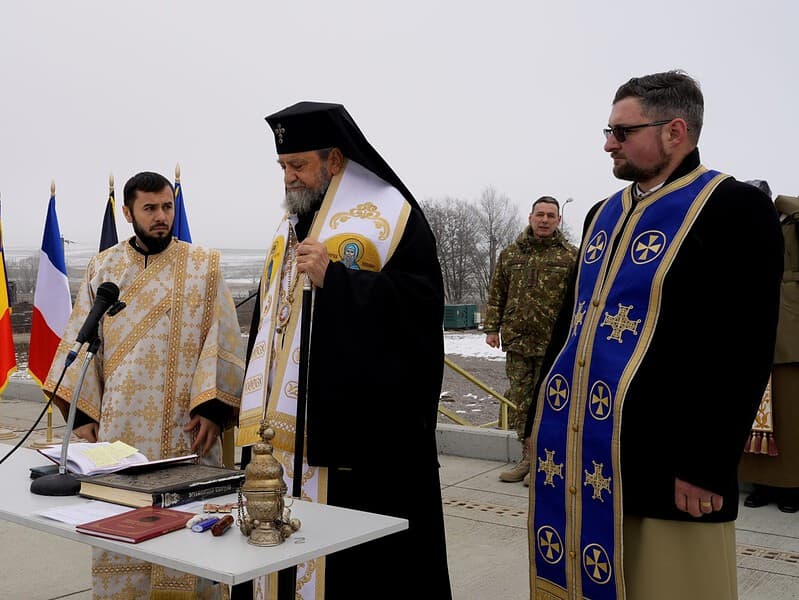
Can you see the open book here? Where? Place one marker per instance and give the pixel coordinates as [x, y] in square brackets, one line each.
[86, 458]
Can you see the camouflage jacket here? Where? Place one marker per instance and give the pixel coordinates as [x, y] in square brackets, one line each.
[526, 291]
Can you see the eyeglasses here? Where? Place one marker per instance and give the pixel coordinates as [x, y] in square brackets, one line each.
[620, 131]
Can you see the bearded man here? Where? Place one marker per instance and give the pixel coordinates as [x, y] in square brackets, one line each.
[376, 355]
[656, 367]
[167, 376]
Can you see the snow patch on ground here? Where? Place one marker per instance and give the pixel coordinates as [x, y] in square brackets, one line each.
[470, 344]
[455, 342]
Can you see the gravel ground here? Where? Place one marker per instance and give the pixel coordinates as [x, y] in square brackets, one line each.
[466, 399]
[458, 394]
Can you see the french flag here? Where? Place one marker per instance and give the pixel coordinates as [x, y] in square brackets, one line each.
[51, 300]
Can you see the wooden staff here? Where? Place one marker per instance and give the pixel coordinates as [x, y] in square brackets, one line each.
[287, 578]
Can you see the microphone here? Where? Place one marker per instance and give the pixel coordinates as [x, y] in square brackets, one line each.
[105, 297]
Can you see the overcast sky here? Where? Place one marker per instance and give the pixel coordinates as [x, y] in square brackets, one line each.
[457, 96]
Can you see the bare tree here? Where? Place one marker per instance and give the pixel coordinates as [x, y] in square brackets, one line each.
[454, 224]
[499, 224]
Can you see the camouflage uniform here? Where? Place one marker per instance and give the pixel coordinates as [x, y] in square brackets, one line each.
[525, 295]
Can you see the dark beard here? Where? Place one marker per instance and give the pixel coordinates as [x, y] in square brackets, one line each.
[630, 172]
[154, 244]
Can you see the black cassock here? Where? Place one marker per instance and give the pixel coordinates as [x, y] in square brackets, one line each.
[375, 369]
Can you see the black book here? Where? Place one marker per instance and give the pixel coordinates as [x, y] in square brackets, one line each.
[163, 486]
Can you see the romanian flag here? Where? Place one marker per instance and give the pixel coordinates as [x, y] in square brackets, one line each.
[108, 235]
[51, 300]
[180, 228]
[8, 360]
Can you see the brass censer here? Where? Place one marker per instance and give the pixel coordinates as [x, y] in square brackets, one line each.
[264, 519]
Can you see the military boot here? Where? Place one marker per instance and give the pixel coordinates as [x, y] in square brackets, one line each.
[518, 472]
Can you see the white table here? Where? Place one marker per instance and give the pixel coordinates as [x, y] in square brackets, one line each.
[229, 558]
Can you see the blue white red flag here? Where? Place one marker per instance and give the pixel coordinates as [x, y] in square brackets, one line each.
[51, 300]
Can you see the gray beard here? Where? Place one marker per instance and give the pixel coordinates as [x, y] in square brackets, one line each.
[304, 201]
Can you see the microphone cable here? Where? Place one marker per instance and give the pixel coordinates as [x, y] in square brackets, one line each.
[39, 418]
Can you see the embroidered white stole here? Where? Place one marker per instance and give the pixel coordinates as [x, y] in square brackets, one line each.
[361, 221]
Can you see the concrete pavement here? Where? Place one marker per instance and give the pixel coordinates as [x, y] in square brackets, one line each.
[485, 527]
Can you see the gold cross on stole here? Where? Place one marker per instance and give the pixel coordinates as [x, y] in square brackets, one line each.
[549, 467]
[620, 323]
[596, 480]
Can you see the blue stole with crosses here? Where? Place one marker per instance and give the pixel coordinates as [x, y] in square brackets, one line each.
[575, 501]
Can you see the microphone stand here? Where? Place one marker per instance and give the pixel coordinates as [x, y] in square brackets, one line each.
[63, 483]
[287, 578]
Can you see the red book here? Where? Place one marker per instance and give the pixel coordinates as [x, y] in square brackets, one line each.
[137, 525]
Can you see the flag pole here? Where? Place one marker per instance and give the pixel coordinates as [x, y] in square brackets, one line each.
[108, 230]
[48, 439]
[5, 433]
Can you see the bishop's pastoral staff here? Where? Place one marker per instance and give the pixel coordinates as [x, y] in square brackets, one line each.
[375, 362]
[167, 377]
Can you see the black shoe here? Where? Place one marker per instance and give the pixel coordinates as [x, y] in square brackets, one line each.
[759, 497]
[789, 502]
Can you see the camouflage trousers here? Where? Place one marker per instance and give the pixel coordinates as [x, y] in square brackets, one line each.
[523, 373]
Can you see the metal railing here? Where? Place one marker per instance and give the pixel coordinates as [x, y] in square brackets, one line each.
[504, 403]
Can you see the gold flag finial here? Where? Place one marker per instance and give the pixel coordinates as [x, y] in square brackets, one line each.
[52, 187]
[111, 182]
[177, 173]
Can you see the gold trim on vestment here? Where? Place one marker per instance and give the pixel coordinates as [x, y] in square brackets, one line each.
[615, 254]
[173, 348]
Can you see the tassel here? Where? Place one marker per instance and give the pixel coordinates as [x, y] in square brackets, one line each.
[748, 444]
[755, 447]
[772, 445]
[764, 444]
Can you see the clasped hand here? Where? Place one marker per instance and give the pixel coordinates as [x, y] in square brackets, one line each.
[312, 259]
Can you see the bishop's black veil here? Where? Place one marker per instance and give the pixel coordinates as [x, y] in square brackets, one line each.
[316, 125]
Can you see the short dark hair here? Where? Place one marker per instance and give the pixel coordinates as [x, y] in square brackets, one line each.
[668, 95]
[146, 181]
[546, 200]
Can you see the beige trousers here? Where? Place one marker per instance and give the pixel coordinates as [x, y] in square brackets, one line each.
[669, 560]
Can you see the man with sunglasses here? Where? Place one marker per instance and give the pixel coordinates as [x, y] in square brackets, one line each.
[656, 367]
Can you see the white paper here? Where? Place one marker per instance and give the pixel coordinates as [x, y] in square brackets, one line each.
[83, 512]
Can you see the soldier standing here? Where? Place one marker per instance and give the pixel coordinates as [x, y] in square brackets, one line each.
[524, 297]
